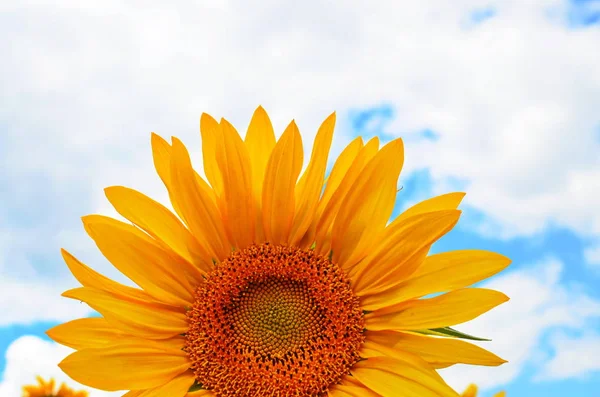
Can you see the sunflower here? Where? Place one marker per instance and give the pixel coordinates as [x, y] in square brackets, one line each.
[471, 391]
[268, 283]
[46, 389]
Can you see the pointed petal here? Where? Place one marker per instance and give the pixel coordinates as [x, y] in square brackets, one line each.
[156, 220]
[310, 185]
[97, 332]
[135, 317]
[260, 141]
[401, 250]
[282, 173]
[438, 352]
[390, 377]
[452, 308]
[332, 182]
[471, 391]
[210, 133]
[328, 214]
[133, 393]
[161, 153]
[199, 212]
[368, 206]
[142, 260]
[90, 278]
[177, 387]
[85, 332]
[341, 167]
[440, 273]
[234, 164]
[351, 388]
[447, 201]
[125, 367]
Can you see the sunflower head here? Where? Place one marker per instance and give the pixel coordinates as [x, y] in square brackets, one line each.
[266, 281]
[294, 320]
[47, 389]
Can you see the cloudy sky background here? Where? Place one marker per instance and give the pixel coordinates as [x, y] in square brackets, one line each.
[500, 99]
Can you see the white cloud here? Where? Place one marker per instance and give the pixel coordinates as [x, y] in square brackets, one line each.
[514, 99]
[30, 356]
[592, 255]
[539, 303]
[573, 357]
[25, 302]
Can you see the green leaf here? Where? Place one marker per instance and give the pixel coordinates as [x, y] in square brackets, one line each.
[450, 332]
[195, 387]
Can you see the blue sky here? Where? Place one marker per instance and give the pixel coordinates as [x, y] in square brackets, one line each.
[499, 99]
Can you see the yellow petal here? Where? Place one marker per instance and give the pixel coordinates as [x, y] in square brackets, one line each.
[177, 387]
[333, 180]
[350, 388]
[210, 132]
[368, 206]
[125, 367]
[440, 273]
[90, 278]
[142, 260]
[156, 220]
[199, 212]
[85, 332]
[340, 168]
[401, 250]
[327, 215]
[389, 377]
[438, 352]
[453, 308]
[310, 185]
[282, 173]
[135, 317]
[234, 164]
[133, 393]
[97, 332]
[260, 141]
[447, 201]
[471, 391]
[161, 153]
[500, 394]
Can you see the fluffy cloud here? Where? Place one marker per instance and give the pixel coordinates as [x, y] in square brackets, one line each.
[24, 302]
[539, 304]
[573, 357]
[30, 356]
[512, 98]
[507, 94]
[592, 255]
